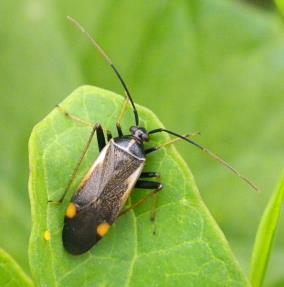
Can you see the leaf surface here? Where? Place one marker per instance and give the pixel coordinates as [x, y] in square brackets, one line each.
[187, 246]
[11, 275]
[218, 64]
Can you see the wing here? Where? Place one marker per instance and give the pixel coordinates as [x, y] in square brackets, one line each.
[100, 197]
[109, 176]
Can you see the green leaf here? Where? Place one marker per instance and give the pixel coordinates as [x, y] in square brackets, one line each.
[265, 236]
[199, 65]
[188, 245]
[280, 5]
[11, 275]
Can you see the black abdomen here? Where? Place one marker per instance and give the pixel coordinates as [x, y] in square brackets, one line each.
[80, 232]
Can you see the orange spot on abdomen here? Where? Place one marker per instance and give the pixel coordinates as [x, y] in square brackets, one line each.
[71, 210]
[103, 229]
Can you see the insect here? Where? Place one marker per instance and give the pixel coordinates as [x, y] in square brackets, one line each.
[103, 192]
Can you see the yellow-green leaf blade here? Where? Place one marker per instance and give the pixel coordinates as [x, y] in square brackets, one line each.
[265, 235]
[11, 275]
[188, 245]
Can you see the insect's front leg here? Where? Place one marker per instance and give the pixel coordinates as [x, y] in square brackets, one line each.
[79, 120]
[74, 117]
[101, 138]
[98, 128]
[109, 135]
[119, 130]
[121, 115]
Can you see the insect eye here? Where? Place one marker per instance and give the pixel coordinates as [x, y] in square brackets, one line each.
[145, 137]
[133, 129]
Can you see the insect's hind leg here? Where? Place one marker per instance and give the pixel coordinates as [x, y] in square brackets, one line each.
[155, 187]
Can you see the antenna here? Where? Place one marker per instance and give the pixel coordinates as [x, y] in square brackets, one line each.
[210, 153]
[109, 61]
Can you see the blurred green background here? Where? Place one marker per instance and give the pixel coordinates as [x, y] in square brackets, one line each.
[215, 66]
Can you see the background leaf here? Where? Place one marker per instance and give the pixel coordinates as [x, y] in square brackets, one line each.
[11, 274]
[213, 66]
[187, 247]
[265, 236]
[280, 4]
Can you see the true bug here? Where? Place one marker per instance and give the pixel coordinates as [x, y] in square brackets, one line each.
[103, 192]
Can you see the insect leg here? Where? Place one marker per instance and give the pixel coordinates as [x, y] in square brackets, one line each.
[74, 117]
[109, 135]
[149, 175]
[120, 117]
[119, 130]
[123, 110]
[155, 186]
[75, 172]
[100, 137]
[172, 141]
[150, 185]
[87, 123]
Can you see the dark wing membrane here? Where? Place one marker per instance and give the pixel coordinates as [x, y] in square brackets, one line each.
[101, 197]
[80, 232]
